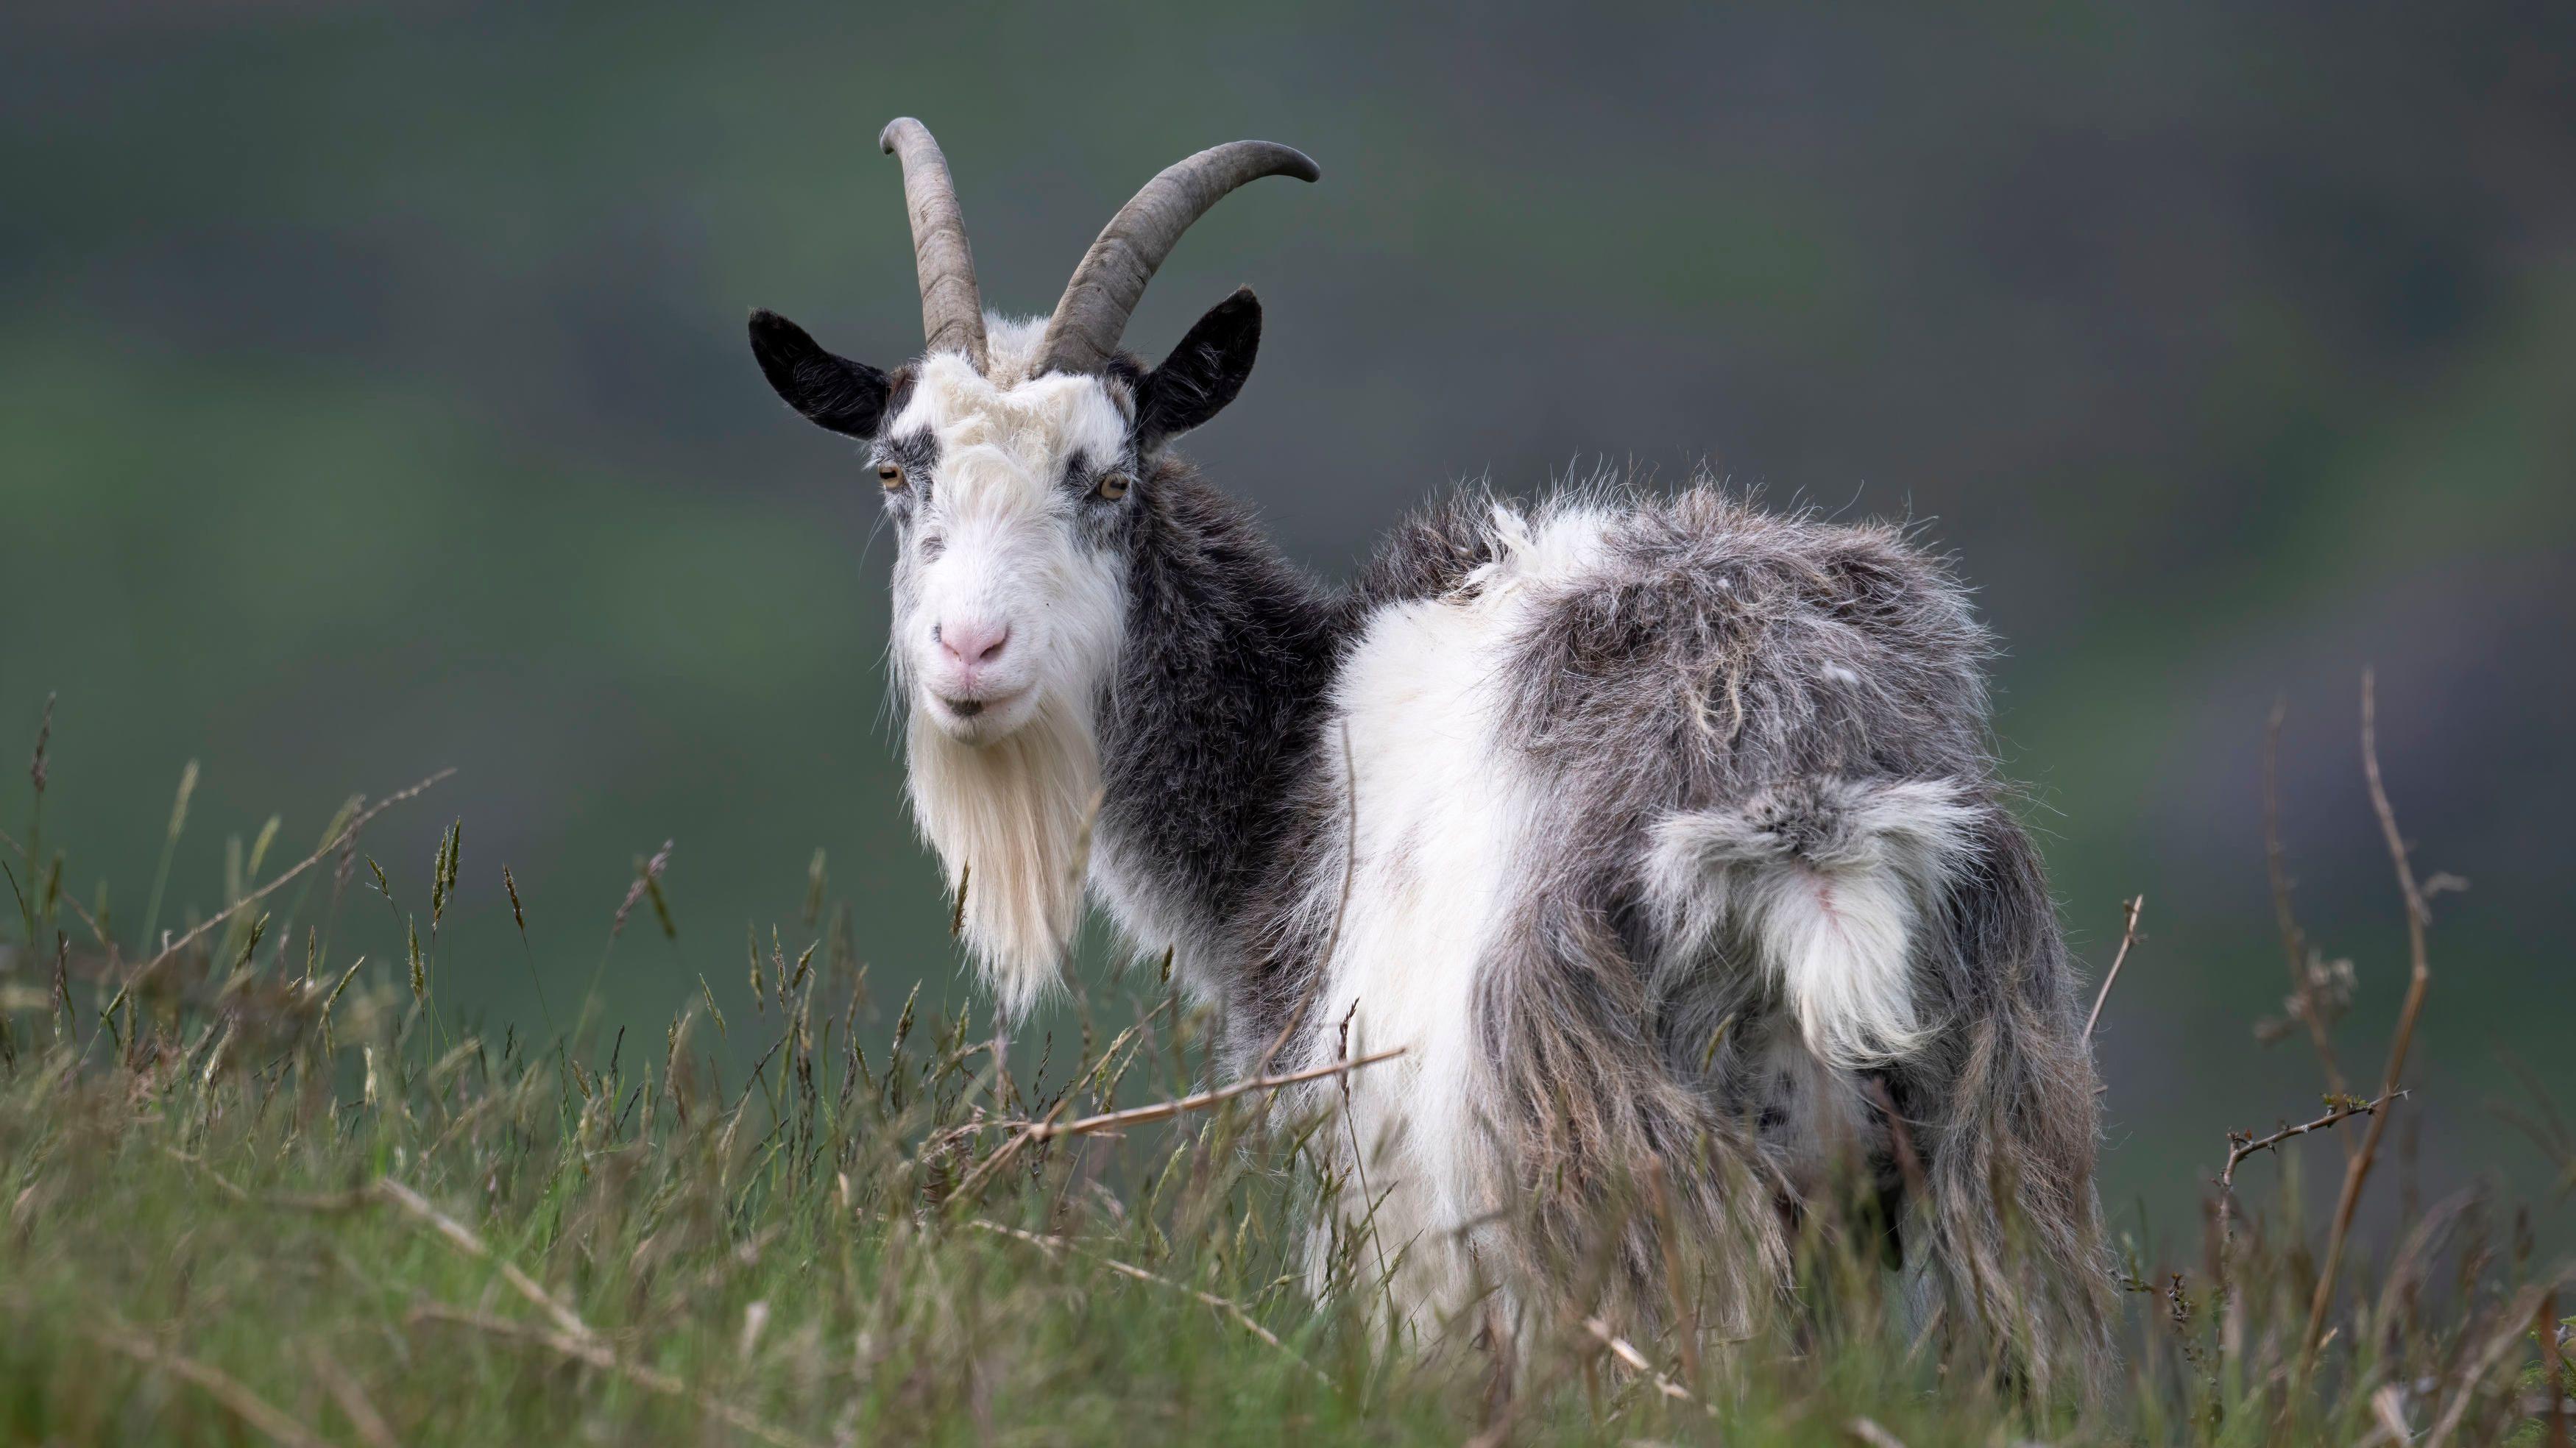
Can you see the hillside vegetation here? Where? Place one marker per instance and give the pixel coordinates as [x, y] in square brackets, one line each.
[257, 1188]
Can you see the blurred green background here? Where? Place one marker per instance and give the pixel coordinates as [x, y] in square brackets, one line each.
[373, 398]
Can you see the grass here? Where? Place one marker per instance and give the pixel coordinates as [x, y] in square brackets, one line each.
[254, 1189]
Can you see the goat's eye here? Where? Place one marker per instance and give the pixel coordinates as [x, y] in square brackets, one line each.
[890, 474]
[1113, 485]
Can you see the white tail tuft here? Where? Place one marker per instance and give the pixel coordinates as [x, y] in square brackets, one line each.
[1827, 881]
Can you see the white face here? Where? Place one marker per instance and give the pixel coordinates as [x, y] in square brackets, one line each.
[1009, 503]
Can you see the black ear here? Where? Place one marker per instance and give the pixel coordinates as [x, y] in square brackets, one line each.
[1203, 373]
[835, 392]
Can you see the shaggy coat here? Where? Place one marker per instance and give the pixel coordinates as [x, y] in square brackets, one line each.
[1657, 830]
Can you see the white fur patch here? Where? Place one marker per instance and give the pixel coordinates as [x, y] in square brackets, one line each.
[1828, 885]
[1440, 815]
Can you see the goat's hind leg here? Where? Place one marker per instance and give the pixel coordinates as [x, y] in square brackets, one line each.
[1616, 1161]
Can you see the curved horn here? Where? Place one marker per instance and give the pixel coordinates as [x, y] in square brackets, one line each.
[952, 309]
[1084, 332]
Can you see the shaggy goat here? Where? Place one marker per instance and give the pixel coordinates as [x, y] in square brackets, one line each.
[1663, 833]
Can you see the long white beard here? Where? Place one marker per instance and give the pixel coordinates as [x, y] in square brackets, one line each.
[1011, 823]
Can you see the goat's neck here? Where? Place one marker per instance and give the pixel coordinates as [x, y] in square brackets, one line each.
[1210, 720]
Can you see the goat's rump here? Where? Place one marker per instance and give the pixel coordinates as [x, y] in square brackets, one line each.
[1669, 842]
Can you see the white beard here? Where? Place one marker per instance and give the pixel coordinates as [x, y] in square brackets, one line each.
[1011, 823]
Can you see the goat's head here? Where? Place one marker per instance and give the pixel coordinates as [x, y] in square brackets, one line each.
[1009, 453]
[1013, 458]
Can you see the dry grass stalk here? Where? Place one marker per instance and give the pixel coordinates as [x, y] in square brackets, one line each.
[339, 838]
[599, 1355]
[1043, 1130]
[97, 932]
[1242, 1317]
[1684, 1323]
[463, 1237]
[2507, 1337]
[1866, 1430]
[1009, 1149]
[2120, 957]
[2388, 1405]
[239, 1400]
[2419, 976]
[388, 1192]
[648, 881]
[346, 1391]
[1626, 1352]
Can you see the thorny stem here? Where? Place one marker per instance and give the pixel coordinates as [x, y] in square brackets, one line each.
[2243, 1144]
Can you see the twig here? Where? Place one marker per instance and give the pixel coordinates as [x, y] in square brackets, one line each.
[2276, 864]
[1163, 1110]
[345, 834]
[2419, 977]
[2244, 1144]
[244, 1404]
[1047, 1128]
[2128, 937]
[1009, 1149]
[599, 1355]
[1226, 1305]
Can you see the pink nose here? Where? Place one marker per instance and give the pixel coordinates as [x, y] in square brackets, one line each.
[972, 642]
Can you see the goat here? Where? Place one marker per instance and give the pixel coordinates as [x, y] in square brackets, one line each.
[1663, 833]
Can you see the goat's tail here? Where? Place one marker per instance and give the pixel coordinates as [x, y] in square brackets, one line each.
[1829, 882]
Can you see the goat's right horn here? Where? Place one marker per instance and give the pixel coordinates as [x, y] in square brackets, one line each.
[1083, 334]
[952, 308]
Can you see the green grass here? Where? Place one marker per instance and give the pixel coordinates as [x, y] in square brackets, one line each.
[254, 1189]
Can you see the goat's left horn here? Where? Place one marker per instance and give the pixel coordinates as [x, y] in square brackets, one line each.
[1083, 334]
[952, 308]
